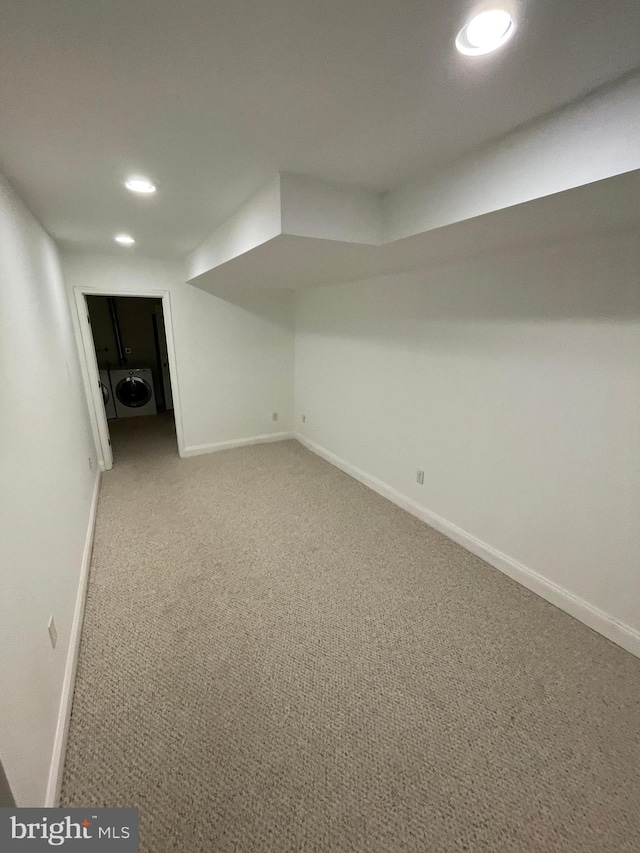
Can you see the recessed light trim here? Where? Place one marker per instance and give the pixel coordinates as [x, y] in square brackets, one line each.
[142, 186]
[485, 32]
[124, 239]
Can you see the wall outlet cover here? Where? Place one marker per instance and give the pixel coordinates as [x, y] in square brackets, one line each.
[274, 416]
[53, 632]
[420, 477]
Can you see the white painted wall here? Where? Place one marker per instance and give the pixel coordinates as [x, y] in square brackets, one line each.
[47, 487]
[514, 383]
[315, 208]
[234, 358]
[257, 221]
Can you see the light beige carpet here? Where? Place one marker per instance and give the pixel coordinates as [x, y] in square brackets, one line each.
[275, 659]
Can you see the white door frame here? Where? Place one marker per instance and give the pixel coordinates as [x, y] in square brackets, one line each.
[91, 373]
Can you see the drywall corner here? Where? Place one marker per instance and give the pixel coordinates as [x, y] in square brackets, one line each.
[257, 221]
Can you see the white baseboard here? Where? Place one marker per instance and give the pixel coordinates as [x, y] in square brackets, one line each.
[605, 624]
[199, 449]
[64, 716]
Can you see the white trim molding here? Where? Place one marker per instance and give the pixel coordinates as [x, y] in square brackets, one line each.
[200, 449]
[623, 635]
[66, 701]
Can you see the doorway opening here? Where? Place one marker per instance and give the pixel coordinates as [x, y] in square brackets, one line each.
[130, 363]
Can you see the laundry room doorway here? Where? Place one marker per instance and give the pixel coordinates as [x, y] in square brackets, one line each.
[130, 371]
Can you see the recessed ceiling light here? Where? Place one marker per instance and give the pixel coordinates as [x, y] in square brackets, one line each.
[124, 239]
[140, 185]
[486, 32]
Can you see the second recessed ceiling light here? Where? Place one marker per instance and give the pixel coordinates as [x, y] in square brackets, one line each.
[124, 239]
[143, 186]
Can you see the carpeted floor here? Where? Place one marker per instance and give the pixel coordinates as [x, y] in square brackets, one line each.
[275, 659]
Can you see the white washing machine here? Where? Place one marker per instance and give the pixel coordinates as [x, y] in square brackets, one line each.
[133, 391]
[107, 395]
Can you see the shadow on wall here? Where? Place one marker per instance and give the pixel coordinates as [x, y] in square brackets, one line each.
[268, 303]
[6, 797]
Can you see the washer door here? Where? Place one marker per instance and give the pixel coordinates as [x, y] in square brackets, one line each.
[133, 391]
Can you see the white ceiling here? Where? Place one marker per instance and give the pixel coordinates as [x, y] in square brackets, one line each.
[210, 99]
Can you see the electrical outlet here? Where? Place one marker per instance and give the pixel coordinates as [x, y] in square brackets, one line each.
[420, 477]
[53, 632]
[274, 416]
[304, 419]
[90, 464]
